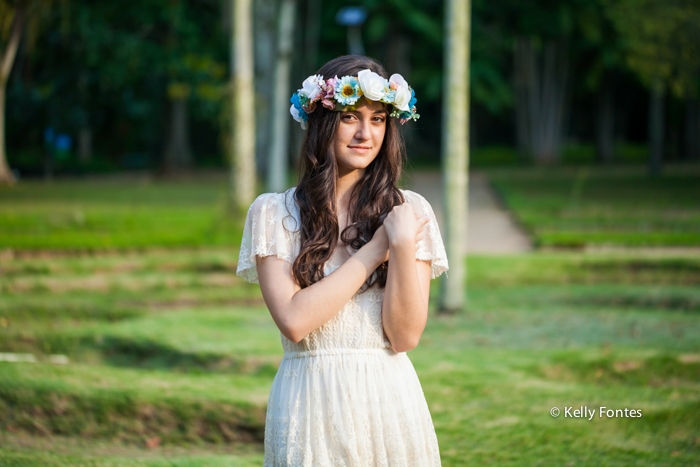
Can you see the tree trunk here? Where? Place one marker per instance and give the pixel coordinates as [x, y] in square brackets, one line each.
[178, 155]
[85, 145]
[6, 175]
[265, 15]
[277, 169]
[522, 128]
[656, 127]
[455, 147]
[7, 59]
[692, 129]
[605, 123]
[84, 131]
[545, 83]
[242, 142]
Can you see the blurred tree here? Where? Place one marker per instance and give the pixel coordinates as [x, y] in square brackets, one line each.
[542, 85]
[242, 95]
[189, 51]
[265, 15]
[542, 67]
[277, 168]
[692, 128]
[177, 152]
[312, 34]
[100, 63]
[12, 21]
[603, 69]
[662, 45]
[491, 47]
[455, 147]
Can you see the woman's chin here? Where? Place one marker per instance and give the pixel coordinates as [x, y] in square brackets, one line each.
[355, 163]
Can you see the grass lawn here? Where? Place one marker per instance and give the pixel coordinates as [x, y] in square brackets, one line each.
[116, 213]
[171, 356]
[593, 206]
[182, 360]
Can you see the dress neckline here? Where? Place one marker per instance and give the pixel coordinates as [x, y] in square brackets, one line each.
[332, 266]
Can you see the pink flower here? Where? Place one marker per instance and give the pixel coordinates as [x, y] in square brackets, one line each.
[393, 86]
[329, 104]
[310, 107]
[330, 86]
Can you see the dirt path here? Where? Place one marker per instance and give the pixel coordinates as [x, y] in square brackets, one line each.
[491, 228]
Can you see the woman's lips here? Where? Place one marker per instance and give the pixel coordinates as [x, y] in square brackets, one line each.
[359, 149]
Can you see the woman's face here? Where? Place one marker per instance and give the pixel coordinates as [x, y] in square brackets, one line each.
[360, 136]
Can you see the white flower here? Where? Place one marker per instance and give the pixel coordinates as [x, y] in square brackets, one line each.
[311, 88]
[402, 98]
[372, 85]
[295, 113]
[403, 94]
[398, 79]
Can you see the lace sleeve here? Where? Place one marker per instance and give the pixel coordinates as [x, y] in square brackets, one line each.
[431, 247]
[269, 230]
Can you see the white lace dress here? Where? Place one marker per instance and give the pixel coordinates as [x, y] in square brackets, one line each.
[342, 396]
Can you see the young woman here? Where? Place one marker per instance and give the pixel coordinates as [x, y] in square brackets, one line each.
[344, 261]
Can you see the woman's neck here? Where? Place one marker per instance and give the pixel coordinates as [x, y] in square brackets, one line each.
[344, 185]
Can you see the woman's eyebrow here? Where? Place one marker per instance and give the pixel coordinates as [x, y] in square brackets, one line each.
[376, 111]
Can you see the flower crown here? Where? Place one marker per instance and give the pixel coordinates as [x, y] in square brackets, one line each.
[342, 94]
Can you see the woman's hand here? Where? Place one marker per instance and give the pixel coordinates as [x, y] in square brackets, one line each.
[381, 242]
[403, 226]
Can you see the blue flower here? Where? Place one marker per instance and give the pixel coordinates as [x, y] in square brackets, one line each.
[347, 90]
[297, 110]
[389, 97]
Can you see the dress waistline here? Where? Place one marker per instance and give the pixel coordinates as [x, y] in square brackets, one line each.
[317, 352]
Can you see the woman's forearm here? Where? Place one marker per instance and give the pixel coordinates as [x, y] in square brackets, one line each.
[403, 310]
[313, 306]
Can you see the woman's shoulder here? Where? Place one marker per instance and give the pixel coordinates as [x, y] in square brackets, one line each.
[416, 200]
[411, 194]
[276, 207]
[268, 200]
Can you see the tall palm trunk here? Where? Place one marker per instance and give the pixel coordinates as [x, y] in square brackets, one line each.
[242, 142]
[455, 149]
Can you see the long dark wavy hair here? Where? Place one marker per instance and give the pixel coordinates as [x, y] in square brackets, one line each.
[371, 199]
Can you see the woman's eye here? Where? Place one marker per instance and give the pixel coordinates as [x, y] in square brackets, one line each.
[377, 119]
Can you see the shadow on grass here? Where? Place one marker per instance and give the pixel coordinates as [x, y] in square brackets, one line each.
[110, 414]
[664, 371]
[667, 302]
[149, 354]
[634, 265]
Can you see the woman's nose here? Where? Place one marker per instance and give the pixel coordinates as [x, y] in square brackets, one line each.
[364, 132]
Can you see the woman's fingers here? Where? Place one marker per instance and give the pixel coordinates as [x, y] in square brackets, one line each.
[423, 222]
